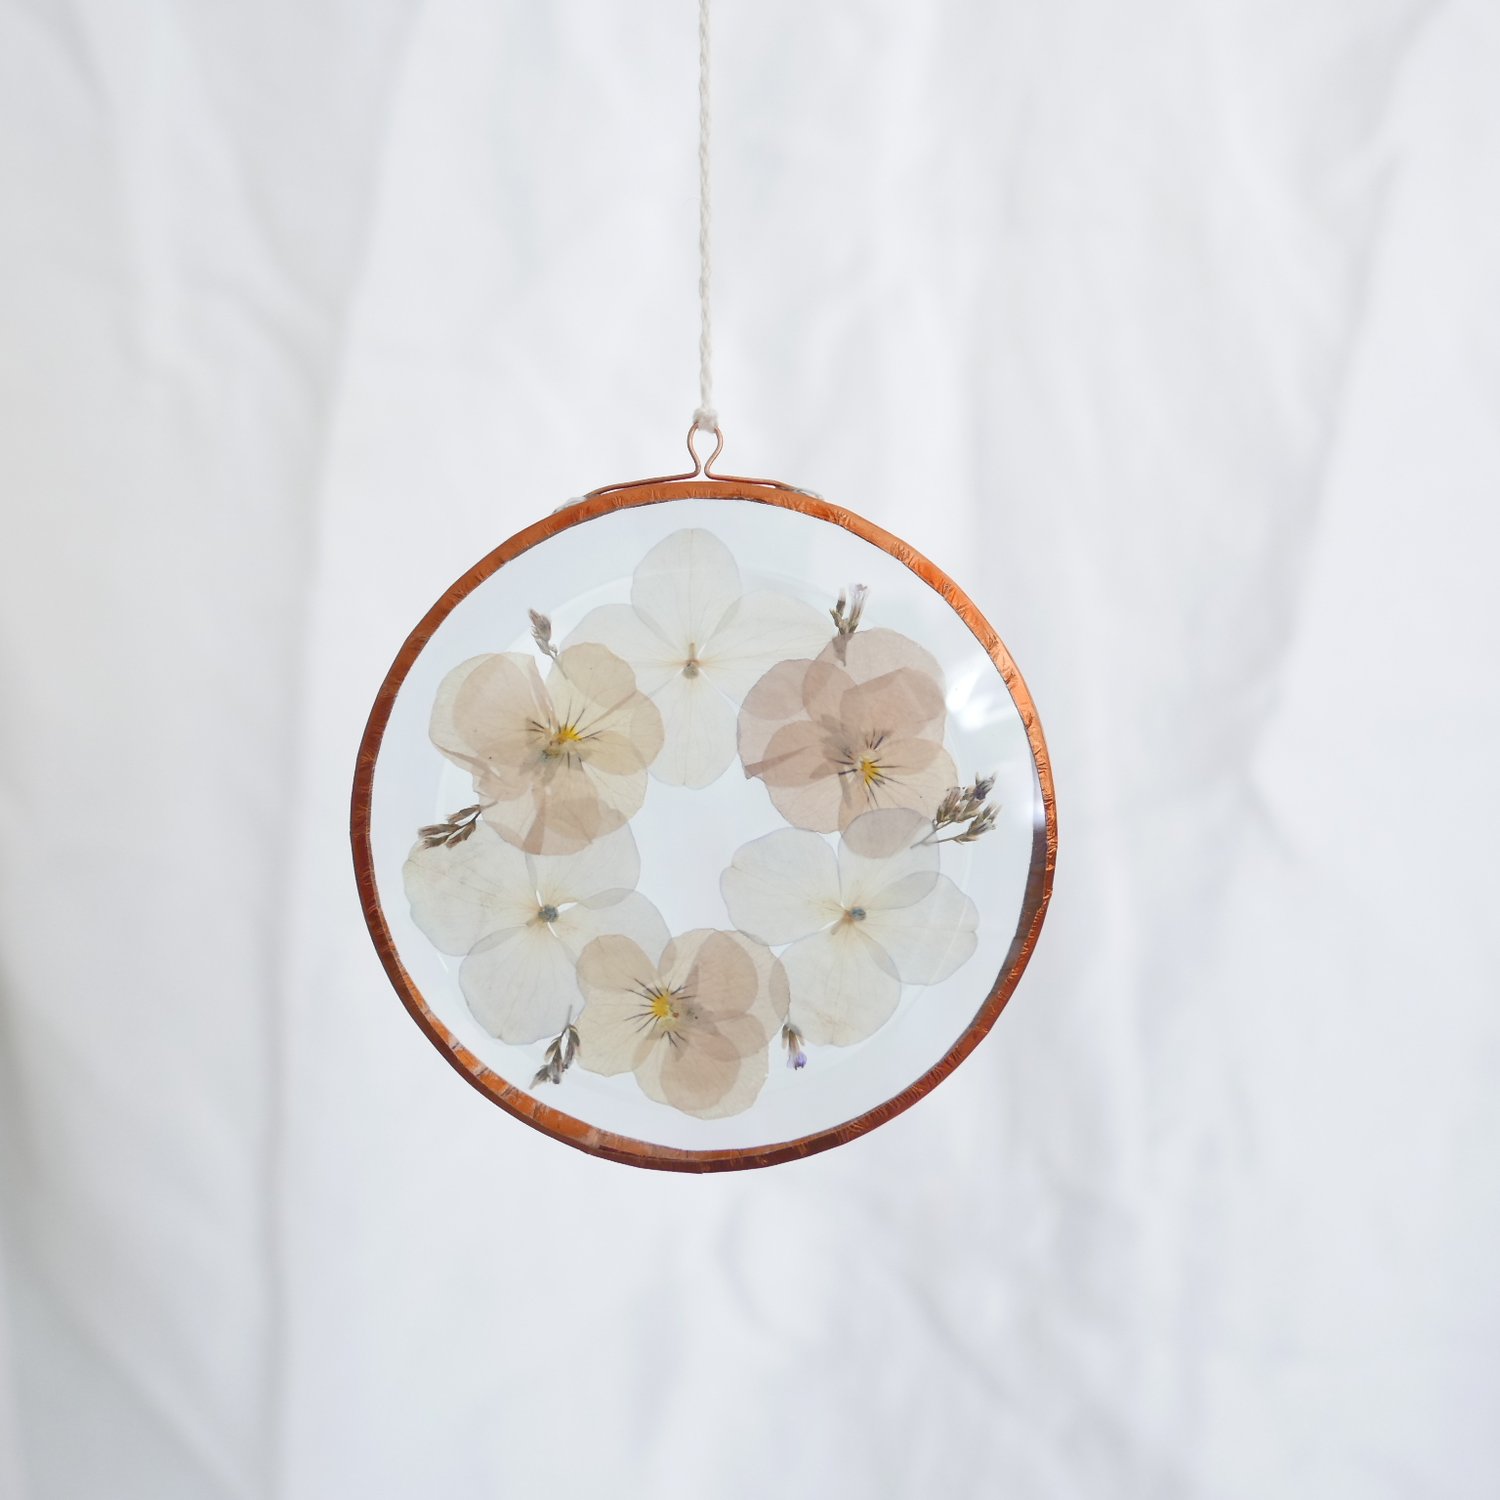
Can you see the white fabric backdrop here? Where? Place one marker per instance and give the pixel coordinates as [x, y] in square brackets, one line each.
[1173, 329]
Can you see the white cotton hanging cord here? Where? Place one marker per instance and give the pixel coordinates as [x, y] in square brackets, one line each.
[705, 417]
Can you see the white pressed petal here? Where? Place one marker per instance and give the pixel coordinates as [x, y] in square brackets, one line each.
[783, 886]
[589, 685]
[772, 996]
[635, 639]
[922, 788]
[928, 940]
[631, 916]
[481, 718]
[564, 815]
[882, 860]
[463, 893]
[611, 1038]
[684, 585]
[749, 1079]
[520, 984]
[609, 864]
[844, 987]
[721, 973]
[698, 726]
[869, 653]
[705, 1076]
[441, 729]
[760, 630]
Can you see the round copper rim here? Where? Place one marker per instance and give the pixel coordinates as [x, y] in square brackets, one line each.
[527, 1107]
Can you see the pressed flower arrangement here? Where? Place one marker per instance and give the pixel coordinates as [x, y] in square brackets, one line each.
[689, 849]
[653, 793]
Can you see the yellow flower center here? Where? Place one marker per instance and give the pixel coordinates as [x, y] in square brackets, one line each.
[869, 770]
[659, 1004]
[562, 740]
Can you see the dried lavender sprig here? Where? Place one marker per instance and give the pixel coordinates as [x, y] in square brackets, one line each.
[791, 1039]
[981, 824]
[454, 829]
[541, 633]
[960, 803]
[846, 615]
[561, 1051]
[964, 804]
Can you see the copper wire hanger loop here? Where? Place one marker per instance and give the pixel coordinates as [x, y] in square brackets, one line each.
[702, 469]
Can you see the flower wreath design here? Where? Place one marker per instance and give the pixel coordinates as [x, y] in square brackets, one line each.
[831, 918]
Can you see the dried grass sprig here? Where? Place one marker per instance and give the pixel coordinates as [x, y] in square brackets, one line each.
[454, 829]
[561, 1051]
[541, 633]
[846, 615]
[964, 805]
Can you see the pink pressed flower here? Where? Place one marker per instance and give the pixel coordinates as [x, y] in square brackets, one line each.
[692, 1019]
[555, 766]
[857, 728]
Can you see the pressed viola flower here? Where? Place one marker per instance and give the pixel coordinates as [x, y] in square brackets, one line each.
[858, 728]
[860, 923]
[522, 920]
[697, 643]
[555, 766]
[692, 1018]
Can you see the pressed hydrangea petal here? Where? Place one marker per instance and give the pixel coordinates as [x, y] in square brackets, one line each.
[589, 683]
[708, 1074]
[758, 631]
[729, 976]
[520, 984]
[461, 894]
[630, 915]
[685, 585]
[775, 700]
[608, 867]
[824, 684]
[796, 755]
[869, 654]
[615, 751]
[894, 705]
[844, 987]
[563, 810]
[633, 638]
[817, 805]
[484, 719]
[698, 732]
[930, 938]
[782, 887]
[883, 862]
[773, 997]
[717, 975]
[613, 973]
[703, 1071]
[748, 1079]
[441, 729]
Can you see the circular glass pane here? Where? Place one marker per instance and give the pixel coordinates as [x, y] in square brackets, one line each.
[704, 825]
